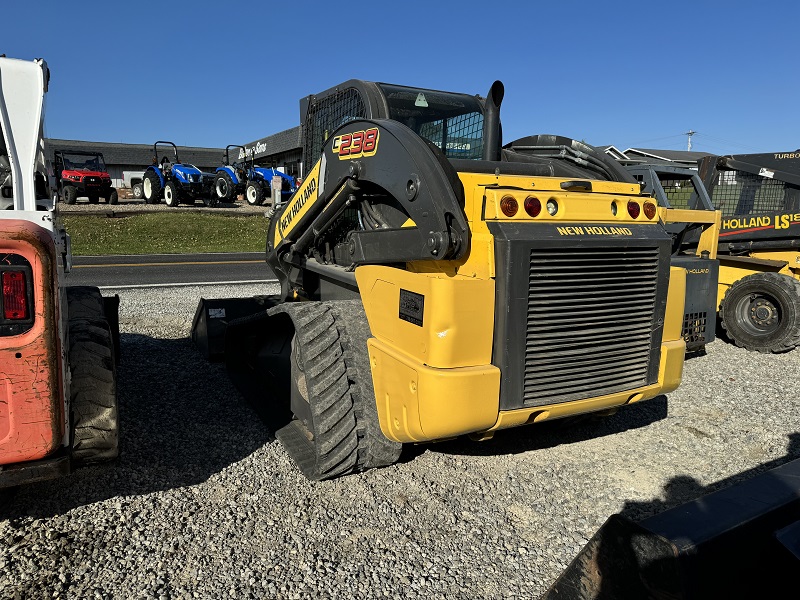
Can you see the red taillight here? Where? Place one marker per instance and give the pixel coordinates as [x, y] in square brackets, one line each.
[15, 300]
[532, 206]
[509, 206]
[634, 209]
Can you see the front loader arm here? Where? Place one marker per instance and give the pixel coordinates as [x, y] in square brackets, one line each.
[408, 197]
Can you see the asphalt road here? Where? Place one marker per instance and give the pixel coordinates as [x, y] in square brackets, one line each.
[165, 270]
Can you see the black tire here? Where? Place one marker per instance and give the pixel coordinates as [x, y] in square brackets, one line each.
[93, 392]
[172, 196]
[151, 188]
[113, 197]
[761, 312]
[254, 193]
[330, 369]
[84, 302]
[224, 189]
[70, 194]
[137, 190]
[211, 201]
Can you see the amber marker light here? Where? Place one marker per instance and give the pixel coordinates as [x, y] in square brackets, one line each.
[649, 210]
[532, 206]
[509, 206]
[634, 209]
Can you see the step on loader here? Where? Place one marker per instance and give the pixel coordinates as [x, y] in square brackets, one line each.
[435, 283]
[58, 344]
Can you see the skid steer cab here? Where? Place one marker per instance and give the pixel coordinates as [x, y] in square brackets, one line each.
[435, 283]
[58, 344]
[176, 182]
[243, 176]
[759, 250]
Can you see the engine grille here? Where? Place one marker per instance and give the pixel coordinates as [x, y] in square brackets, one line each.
[589, 322]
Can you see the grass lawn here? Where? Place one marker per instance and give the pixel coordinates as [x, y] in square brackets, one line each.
[165, 233]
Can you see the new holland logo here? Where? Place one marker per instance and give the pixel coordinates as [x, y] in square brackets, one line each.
[356, 144]
[594, 231]
[297, 205]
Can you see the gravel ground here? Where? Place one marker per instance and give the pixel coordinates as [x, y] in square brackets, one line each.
[204, 503]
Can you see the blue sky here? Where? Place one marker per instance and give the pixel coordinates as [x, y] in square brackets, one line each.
[625, 73]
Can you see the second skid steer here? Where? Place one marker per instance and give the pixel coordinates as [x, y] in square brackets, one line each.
[435, 284]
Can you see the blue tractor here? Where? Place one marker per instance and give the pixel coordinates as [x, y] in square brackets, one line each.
[176, 182]
[247, 178]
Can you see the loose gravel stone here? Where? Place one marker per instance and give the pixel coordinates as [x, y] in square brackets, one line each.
[204, 503]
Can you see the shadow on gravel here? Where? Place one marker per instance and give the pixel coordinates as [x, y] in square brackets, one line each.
[550, 434]
[181, 421]
[684, 488]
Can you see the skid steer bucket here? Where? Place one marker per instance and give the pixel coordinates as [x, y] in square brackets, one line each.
[213, 315]
[740, 542]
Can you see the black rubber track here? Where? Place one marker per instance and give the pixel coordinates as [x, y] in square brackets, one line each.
[785, 291]
[346, 435]
[93, 392]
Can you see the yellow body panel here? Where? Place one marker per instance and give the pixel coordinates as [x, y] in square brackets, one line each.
[459, 315]
[676, 300]
[418, 403]
[483, 192]
[711, 223]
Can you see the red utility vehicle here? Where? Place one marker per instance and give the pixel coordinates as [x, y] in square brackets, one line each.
[83, 174]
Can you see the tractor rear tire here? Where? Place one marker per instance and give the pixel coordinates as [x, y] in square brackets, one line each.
[93, 392]
[151, 188]
[84, 302]
[70, 194]
[761, 312]
[137, 190]
[223, 187]
[172, 196]
[113, 197]
[254, 193]
[330, 371]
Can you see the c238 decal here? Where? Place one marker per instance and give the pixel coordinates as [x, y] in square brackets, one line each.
[356, 144]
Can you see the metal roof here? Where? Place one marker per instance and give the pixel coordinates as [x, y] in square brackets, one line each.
[277, 143]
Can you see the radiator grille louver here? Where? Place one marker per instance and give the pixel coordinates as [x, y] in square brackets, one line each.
[589, 322]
